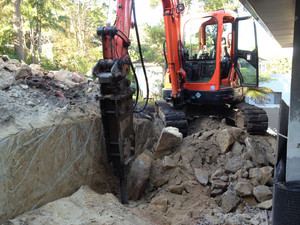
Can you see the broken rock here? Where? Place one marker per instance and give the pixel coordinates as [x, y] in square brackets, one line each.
[265, 205]
[201, 175]
[6, 80]
[23, 72]
[257, 154]
[225, 140]
[229, 200]
[234, 164]
[138, 176]
[170, 137]
[11, 67]
[167, 163]
[244, 188]
[262, 193]
[260, 176]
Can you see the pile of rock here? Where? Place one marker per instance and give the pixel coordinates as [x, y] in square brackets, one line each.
[223, 169]
[11, 70]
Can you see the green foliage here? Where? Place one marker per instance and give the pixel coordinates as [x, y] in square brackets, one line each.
[259, 93]
[6, 28]
[151, 44]
[155, 2]
[213, 5]
[280, 65]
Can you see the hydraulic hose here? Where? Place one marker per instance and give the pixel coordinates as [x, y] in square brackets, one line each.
[142, 60]
[137, 86]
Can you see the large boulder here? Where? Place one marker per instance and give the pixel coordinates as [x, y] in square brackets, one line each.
[10, 67]
[22, 72]
[257, 154]
[170, 137]
[260, 176]
[244, 188]
[234, 164]
[225, 140]
[239, 134]
[6, 80]
[229, 200]
[138, 176]
[262, 193]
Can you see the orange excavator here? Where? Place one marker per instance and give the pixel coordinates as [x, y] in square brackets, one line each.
[212, 60]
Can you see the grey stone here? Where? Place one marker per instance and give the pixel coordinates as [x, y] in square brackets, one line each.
[201, 175]
[244, 188]
[177, 189]
[167, 163]
[262, 193]
[170, 137]
[248, 164]
[217, 174]
[229, 200]
[6, 80]
[234, 164]
[138, 176]
[265, 205]
[24, 86]
[257, 154]
[10, 67]
[225, 140]
[14, 62]
[239, 134]
[260, 176]
[237, 148]
[218, 184]
[22, 72]
[216, 192]
[224, 178]
[30, 103]
[160, 182]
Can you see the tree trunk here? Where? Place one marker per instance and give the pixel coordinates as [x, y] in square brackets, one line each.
[18, 42]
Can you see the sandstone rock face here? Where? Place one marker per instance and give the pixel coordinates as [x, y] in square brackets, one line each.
[85, 207]
[170, 137]
[262, 193]
[257, 154]
[225, 140]
[47, 163]
[138, 176]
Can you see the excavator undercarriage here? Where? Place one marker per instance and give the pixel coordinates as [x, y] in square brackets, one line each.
[243, 115]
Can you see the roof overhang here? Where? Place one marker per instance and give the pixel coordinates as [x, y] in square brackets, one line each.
[276, 16]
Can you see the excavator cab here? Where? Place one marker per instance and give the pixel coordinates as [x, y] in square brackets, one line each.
[219, 57]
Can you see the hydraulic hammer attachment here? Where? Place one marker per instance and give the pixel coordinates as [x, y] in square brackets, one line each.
[117, 121]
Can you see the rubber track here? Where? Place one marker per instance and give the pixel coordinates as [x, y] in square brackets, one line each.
[255, 119]
[172, 117]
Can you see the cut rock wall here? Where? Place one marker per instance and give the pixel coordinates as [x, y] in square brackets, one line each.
[44, 164]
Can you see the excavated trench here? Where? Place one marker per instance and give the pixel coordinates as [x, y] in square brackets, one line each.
[51, 148]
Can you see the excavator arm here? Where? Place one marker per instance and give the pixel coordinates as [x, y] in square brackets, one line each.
[115, 92]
